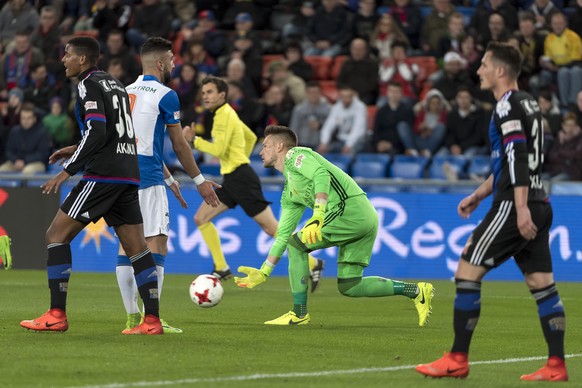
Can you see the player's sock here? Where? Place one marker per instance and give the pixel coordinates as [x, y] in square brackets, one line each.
[146, 279]
[212, 240]
[467, 311]
[160, 261]
[552, 318]
[59, 266]
[375, 286]
[405, 288]
[298, 279]
[127, 286]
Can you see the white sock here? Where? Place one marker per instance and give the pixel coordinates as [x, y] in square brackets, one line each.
[128, 288]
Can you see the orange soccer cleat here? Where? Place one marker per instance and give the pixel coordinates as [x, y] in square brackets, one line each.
[554, 370]
[449, 365]
[151, 325]
[52, 320]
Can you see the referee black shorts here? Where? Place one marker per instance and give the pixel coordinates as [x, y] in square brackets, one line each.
[497, 238]
[117, 203]
[243, 187]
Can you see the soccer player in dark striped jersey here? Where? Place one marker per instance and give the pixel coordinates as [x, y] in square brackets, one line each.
[517, 225]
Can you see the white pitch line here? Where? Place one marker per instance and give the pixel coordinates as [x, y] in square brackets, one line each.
[264, 376]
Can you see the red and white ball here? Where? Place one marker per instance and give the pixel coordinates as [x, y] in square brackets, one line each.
[206, 291]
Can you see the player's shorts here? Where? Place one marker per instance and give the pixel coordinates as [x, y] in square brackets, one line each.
[117, 203]
[497, 238]
[352, 226]
[243, 187]
[153, 202]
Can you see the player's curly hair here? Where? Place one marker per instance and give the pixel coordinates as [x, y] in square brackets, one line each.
[284, 133]
[508, 55]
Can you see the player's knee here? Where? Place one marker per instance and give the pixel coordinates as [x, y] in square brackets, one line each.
[200, 219]
[349, 287]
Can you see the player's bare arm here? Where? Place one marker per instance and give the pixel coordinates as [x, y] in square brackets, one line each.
[174, 186]
[470, 203]
[62, 154]
[527, 228]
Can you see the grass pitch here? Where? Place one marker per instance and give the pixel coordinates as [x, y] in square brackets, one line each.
[369, 342]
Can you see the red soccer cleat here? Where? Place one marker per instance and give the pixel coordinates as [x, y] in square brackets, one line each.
[151, 325]
[52, 320]
[449, 365]
[554, 370]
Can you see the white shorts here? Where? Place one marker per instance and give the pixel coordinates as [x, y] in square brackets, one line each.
[154, 210]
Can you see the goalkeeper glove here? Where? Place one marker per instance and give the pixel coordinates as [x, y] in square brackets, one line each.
[311, 232]
[254, 276]
[5, 254]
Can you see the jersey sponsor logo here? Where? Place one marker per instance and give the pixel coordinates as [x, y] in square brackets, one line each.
[299, 160]
[109, 85]
[510, 126]
[105, 85]
[530, 106]
[177, 115]
[90, 105]
[503, 107]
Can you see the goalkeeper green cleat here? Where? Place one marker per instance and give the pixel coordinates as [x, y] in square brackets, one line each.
[423, 302]
[5, 255]
[170, 329]
[289, 319]
[133, 320]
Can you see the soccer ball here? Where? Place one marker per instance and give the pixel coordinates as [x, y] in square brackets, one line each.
[206, 291]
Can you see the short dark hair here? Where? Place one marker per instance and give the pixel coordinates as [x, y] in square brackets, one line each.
[221, 84]
[399, 43]
[313, 84]
[527, 16]
[342, 86]
[87, 46]
[395, 84]
[546, 94]
[464, 88]
[28, 107]
[508, 56]
[285, 133]
[156, 44]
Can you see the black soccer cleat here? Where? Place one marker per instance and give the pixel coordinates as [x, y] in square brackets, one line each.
[222, 275]
[315, 274]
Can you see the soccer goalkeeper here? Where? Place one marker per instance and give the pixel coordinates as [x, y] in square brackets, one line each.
[342, 216]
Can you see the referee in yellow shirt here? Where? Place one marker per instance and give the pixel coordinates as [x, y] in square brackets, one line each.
[232, 143]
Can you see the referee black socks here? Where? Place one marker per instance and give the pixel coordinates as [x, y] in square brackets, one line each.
[59, 265]
[146, 278]
[552, 318]
[467, 311]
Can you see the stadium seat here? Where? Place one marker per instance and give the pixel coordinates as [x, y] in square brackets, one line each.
[436, 170]
[459, 189]
[321, 66]
[257, 165]
[340, 160]
[408, 167]
[371, 157]
[368, 165]
[385, 188]
[337, 66]
[329, 90]
[372, 110]
[567, 188]
[480, 165]
[9, 183]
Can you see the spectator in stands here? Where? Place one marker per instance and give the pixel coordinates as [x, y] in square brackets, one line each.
[58, 124]
[11, 111]
[452, 41]
[549, 111]
[467, 125]
[17, 15]
[578, 107]
[116, 70]
[408, 19]
[452, 77]
[41, 89]
[243, 47]
[249, 110]
[110, 15]
[329, 30]
[365, 20]
[575, 18]
[392, 119]
[244, 27]
[495, 33]
[186, 84]
[531, 45]
[289, 82]
[565, 157]
[308, 117]
[296, 63]
[429, 130]
[151, 18]
[471, 56]
[480, 20]
[198, 57]
[298, 27]
[116, 49]
[236, 71]
[28, 146]
[15, 66]
[435, 26]
[360, 72]
[258, 9]
[401, 70]
[4, 133]
[76, 15]
[47, 38]
[561, 60]
[215, 42]
[344, 129]
[543, 11]
[278, 107]
[385, 33]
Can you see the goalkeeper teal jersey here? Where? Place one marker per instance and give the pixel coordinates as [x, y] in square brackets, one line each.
[306, 174]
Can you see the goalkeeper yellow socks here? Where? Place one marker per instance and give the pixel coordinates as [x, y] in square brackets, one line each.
[212, 240]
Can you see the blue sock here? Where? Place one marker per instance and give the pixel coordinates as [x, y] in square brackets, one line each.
[552, 318]
[466, 315]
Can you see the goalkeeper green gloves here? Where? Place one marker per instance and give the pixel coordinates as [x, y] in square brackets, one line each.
[5, 254]
[254, 276]
[311, 232]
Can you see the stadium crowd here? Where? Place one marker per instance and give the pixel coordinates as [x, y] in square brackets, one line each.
[389, 76]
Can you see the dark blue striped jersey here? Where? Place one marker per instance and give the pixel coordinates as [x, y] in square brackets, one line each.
[107, 151]
[517, 136]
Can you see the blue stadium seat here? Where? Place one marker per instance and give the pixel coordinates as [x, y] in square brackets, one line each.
[567, 188]
[371, 169]
[9, 183]
[340, 160]
[384, 188]
[369, 157]
[408, 167]
[459, 189]
[457, 163]
[480, 165]
[257, 165]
